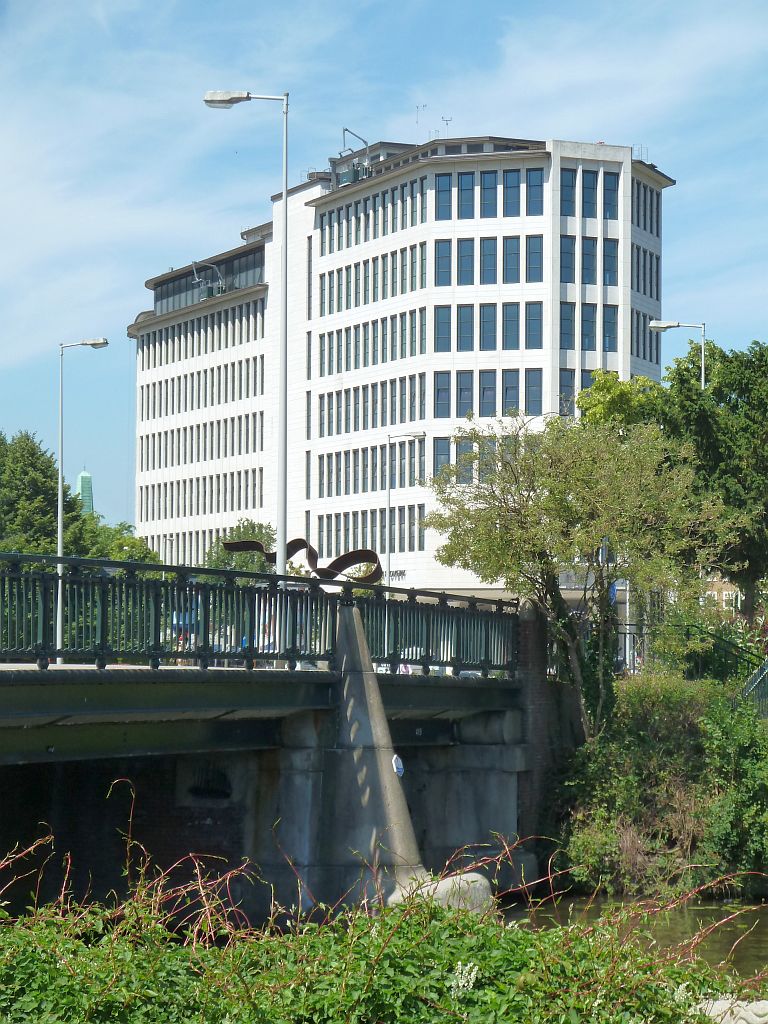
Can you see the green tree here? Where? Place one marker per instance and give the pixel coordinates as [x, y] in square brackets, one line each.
[726, 426]
[610, 400]
[118, 542]
[28, 499]
[587, 499]
[243, 561]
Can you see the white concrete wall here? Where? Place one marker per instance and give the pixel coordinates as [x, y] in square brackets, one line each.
[410, 568]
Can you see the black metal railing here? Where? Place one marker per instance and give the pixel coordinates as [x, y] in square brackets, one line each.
[700, 651]
[438, 634]
[133, 612]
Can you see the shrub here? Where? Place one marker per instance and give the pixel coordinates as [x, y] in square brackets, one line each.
[416, 962]
[679, 778]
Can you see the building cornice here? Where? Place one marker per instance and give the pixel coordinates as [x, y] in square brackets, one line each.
[170, 275]
[652, 173]
[147, 320]
[371, 182]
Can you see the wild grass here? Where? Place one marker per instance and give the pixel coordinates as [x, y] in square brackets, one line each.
[179, 948]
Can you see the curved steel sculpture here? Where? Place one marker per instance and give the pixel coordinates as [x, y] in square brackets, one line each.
[337, 567]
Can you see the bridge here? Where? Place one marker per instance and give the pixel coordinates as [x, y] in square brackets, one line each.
[259, 716]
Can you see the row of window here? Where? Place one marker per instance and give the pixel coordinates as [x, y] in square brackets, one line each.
[477, 261]
[489, 330]
[203, 334]
[399, 335]
[489, 264]
[405, 205]
[588, 260]
[187, 548]
[238, 491]
[217, 439]
[360, 283]
[386, 403]
[646, 272]
[484, 326]
[589, 193]
[360, 470]
[401, 206]
[646, 208]
[230, 382]
[489, 260]
[478, 195]
[644, 343]
[340, 532]
[589, 330]
[460, 400]
[403, 400]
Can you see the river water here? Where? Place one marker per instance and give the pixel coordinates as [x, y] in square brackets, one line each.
[737, 933]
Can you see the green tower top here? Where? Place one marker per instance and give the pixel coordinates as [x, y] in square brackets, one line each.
[84, 488]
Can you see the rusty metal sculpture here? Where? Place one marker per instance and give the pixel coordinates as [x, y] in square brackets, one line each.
[338, 567]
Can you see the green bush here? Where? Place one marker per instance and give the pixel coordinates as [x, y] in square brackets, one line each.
[679, 778]
[416, 963]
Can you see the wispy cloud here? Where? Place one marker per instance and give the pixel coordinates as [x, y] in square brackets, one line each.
[112, 169]
[115, 167]
[603, 71]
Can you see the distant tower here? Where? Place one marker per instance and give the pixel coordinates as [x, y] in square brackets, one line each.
[84, 489]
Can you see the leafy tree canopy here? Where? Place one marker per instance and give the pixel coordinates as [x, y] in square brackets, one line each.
[28, 509]
[726, 426]
[610, 400]
[28, 499]
[243, 561]
[117, 542]
[600, 503]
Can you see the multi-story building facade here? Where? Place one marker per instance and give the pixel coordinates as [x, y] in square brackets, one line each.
[426, 283]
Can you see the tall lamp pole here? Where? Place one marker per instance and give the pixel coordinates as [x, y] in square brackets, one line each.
[413, 435]
[88, 343]
[224, 100]
[668, 325]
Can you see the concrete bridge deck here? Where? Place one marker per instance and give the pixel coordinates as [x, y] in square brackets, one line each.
[76, 712]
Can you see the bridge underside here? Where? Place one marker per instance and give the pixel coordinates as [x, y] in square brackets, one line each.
[68, 714]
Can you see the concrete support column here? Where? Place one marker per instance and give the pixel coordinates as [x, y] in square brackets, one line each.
[367, 846]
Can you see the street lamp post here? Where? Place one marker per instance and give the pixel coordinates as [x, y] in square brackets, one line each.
[224, 100]
[88, 343]
[413, 435]
[668, 325]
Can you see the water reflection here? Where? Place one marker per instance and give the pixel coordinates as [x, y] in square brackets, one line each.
[740, 941]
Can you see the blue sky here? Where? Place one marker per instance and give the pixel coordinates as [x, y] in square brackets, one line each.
[112, 170]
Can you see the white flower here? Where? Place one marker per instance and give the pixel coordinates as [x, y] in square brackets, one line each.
[463, 979]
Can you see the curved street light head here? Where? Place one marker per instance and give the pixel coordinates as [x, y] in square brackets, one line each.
[96, 342]
[225, 100]
[663, 325]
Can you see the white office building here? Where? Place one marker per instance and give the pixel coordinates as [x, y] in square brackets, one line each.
[473, 275]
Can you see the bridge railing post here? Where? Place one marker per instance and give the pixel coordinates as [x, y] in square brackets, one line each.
[101, 638]
[202, 615]
[154, 648]
[46, 591]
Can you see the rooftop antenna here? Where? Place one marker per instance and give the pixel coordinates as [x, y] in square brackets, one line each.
[348, 131]
[446, 121]
[419, 108]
